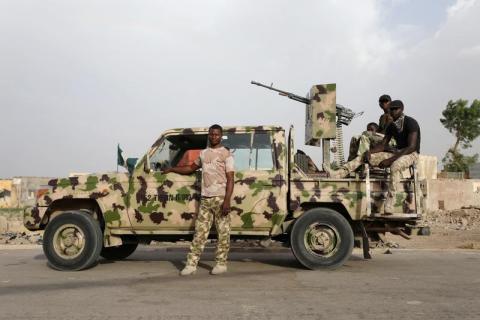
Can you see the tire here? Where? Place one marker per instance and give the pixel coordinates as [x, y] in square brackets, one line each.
[322, 239]
[118, 252]
[72, 241]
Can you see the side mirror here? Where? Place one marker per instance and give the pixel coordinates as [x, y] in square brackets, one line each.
[146, 164]
[131, 162]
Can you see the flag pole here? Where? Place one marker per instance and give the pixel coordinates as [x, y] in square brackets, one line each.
[118, 146]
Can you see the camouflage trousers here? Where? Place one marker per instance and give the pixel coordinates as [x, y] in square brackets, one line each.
[210, 209]
[362, 143]
[396, 169]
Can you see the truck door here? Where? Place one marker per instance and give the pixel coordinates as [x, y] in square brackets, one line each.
[258, 197]
[168, 202]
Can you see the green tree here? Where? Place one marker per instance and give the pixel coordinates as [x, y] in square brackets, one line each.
[464, 123]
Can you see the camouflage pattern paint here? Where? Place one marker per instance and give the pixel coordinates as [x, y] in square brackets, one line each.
[348, 192]
[152, 201]
[149, 202]
[210, 211]
[320, 122]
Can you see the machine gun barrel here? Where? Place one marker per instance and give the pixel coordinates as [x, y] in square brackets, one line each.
[283, 93]
[344, 115]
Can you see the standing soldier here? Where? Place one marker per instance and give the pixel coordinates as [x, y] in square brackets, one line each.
[217, 187]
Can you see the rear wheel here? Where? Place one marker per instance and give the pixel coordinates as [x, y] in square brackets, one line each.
[118, 252]
[72, 241]
[322, 238]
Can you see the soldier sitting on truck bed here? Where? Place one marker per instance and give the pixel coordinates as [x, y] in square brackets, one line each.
[385, 119]
[406, 132]
[362, 143]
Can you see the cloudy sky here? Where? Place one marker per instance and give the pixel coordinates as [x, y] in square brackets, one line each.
[77, 77]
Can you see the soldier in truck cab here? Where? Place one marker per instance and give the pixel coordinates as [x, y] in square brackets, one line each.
[406, 132]
[217, 187]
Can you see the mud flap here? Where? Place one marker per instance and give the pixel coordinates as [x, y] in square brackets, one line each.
[365, 241]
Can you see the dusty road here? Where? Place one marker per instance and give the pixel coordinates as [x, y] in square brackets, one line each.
[408, 284]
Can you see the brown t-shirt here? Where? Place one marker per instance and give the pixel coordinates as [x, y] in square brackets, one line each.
[215, 163]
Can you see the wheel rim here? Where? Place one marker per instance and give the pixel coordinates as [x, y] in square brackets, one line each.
[68, 241]
[322, 240]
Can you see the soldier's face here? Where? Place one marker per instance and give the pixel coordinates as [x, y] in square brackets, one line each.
[214, 137]
[396, 112]
[384, 105]
[372, 129]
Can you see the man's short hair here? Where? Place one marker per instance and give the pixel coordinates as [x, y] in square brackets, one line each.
[216, 126]
[373, 124]
[384, 98]
[396, 103]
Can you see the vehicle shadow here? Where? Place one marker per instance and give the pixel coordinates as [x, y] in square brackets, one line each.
[279, 257]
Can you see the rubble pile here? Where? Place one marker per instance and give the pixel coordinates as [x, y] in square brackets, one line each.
[20, 238]
[466, 218]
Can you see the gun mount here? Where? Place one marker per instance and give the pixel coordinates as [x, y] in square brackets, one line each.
[344, 114]
[324, 117]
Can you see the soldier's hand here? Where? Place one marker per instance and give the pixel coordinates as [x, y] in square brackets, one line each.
[366, 157]
[225, 208]
[165, 170]
[386, 163]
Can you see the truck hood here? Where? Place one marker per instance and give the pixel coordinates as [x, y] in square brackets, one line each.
[91, 186]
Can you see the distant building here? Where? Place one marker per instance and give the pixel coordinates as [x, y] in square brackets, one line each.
[20, 191]
[474, 171]
[6, 193]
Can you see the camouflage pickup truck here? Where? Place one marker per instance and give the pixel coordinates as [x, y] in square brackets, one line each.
[277, 195]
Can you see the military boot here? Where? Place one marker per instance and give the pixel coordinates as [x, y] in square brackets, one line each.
[388, 207]
[188, 270]
[219, 269]
[340, 173]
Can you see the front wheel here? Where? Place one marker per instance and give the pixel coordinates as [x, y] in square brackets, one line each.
[118, 252]
[72, 241]
[322, 238]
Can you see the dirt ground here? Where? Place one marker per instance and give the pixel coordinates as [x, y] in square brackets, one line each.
[455, 229]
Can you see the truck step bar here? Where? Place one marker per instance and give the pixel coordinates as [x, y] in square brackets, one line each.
[396, 216]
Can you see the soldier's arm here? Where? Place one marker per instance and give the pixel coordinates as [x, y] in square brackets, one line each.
[382, 146]
[228, 193]
[183, 170]
[412, 146]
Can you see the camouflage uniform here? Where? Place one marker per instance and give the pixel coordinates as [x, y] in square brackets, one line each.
[215, 163]
[210, 209]
[360, 144]
[396, 169]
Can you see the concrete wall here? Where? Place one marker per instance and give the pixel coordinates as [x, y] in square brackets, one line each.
[6, 194]
[450, 194]
[475, 171]
[427, 167]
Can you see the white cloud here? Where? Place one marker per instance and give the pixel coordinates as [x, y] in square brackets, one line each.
[77, 79]
[461, 6]
[470, 51]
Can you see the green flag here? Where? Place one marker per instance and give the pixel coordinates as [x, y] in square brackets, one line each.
[120, 160]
